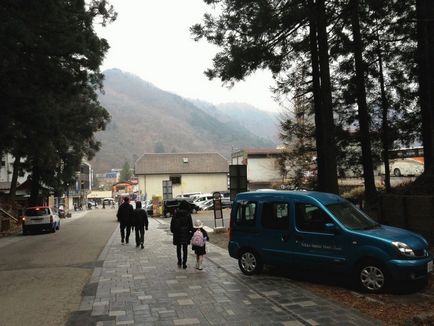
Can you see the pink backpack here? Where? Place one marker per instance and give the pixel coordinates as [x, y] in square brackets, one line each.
[197, 239]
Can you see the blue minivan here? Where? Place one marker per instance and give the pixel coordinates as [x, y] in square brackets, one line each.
[323, 232]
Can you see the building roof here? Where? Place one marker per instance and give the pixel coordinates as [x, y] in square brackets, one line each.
[181, 163]
[5, 186]
[258, 151]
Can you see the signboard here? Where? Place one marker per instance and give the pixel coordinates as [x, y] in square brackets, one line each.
[218, 212]
[237, 179]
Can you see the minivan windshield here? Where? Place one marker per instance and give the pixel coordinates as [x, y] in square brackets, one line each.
[352, 217]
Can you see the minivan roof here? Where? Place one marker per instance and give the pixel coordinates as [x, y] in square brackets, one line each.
[322, 197]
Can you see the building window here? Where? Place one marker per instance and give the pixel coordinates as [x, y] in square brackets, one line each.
[176, 180]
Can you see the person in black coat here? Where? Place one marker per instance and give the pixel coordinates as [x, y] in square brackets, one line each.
[125, 218]
[140, 223]
[182, 228]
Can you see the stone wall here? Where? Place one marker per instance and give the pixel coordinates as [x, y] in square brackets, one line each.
[409, 212]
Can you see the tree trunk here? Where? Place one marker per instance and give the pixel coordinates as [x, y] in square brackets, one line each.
[13, 188]
[326, 121]
[425, 49]
[320, 141]
[368, 170]
[35, 199]
[385, 122]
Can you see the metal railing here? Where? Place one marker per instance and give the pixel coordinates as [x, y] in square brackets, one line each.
[8, 215]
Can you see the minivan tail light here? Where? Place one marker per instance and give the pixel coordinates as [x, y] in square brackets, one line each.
[51, 218]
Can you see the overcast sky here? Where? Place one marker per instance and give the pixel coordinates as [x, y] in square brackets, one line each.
[151, 39]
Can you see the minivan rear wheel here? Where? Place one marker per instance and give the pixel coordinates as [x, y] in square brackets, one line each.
[249, 262]
[371, 277]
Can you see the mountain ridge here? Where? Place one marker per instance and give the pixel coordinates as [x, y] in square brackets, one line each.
[148, 119]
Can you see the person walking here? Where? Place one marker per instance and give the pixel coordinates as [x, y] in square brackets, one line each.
[140, 222]
[181, 226]
[125, 218]
[198, 241]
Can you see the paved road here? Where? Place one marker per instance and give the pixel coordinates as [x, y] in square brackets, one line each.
[42, 275]
[131, 286]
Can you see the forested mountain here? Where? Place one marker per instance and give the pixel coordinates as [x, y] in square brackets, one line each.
[146, 119]
[264, 124]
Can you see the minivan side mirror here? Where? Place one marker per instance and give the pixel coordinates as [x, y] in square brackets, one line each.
[331, 228]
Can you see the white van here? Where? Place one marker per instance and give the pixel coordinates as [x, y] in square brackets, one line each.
[404, 167]
[202, 198]
[188, 194]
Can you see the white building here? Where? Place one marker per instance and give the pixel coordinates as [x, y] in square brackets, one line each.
[188, 172]
[262, 166]
[7, 169]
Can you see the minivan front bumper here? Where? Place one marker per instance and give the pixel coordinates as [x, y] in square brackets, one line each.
[405, 270]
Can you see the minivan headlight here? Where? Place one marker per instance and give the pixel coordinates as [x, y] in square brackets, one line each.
[403, 248]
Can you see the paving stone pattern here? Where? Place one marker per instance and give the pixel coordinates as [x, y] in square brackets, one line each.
[146, 287]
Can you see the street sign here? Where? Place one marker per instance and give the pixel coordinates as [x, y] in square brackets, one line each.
[218, 211]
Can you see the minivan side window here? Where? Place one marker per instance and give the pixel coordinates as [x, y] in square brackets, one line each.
[310, 218]
[275, 216]
[246, 213]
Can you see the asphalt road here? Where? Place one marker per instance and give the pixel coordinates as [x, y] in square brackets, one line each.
[42, 275]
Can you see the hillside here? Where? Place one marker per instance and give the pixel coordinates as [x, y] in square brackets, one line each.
[148, 119]
[242, 115]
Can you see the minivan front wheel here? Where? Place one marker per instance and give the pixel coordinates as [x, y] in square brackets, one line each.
[371, 277]
[249, 262]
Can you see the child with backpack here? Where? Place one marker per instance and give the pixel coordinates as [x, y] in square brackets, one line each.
[198, 241]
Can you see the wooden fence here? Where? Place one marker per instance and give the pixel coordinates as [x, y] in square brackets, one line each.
[410, 212]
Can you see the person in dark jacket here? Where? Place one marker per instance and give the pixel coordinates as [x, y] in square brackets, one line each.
[125, 218]
[182, 228]
[140, 222]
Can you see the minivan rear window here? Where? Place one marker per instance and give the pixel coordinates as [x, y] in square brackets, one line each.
[37, 211]
[275, 216]
[246, 213]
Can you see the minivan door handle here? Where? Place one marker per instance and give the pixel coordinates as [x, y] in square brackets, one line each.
[284, 237]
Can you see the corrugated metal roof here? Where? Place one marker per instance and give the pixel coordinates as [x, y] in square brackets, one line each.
[181, 163]
[265, 151]
[257, 152]
[5, 185]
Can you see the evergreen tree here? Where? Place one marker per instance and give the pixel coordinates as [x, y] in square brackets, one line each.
[425, 44]
[297, 132]
[125, 174]
[49, 71]
[268, 34]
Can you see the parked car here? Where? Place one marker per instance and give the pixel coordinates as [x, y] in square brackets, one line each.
[188, 194]
[40, 218]
[108, 202]
[170, 205]
[404, 167]
[206, 205]
[148, 207]
[324, 233]
[226, 199]
[202, 198]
